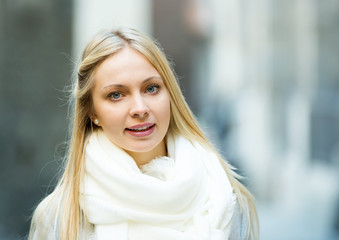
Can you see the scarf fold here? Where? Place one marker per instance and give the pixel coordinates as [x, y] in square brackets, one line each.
[184, 196]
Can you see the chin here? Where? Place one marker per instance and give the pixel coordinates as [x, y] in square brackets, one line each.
[141, 149]
[143, 146]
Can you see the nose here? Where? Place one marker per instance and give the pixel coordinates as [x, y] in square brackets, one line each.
[139, 107]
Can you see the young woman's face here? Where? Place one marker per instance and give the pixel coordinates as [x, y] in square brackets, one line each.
[131, 102]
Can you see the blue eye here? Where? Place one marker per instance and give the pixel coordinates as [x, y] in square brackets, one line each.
[152, 88]
[116, 95]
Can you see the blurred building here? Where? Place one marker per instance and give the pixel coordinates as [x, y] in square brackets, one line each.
[261, 76]
[35, 45]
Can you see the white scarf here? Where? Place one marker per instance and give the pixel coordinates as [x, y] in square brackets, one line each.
[187, 196]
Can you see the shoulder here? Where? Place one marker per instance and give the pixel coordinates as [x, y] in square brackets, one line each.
[44, 224]
[46, 220]
[239, 224]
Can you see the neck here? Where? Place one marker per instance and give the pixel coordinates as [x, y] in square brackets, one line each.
[142, 158]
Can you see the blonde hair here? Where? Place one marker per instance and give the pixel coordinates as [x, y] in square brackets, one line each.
[63, 204]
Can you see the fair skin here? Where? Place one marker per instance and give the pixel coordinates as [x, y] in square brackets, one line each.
[132, 105]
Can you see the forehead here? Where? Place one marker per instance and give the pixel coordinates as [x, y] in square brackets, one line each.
[126, 64]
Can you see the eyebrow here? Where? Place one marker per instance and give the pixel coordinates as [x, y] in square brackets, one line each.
[144, 81]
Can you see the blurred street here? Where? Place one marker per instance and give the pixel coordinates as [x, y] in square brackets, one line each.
[262, 78]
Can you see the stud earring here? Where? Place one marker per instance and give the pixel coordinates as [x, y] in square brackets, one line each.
[96, 121]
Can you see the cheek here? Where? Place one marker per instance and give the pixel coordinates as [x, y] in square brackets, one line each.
[108, 114]
[165, 110]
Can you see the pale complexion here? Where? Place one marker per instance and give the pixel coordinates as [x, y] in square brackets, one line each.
[132, 104]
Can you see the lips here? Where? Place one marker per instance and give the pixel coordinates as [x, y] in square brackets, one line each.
[141, 130]
[141, 127]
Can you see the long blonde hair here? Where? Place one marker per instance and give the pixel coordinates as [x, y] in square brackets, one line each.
[63, 203]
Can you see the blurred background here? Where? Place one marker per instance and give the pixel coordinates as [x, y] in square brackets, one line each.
[261, 76]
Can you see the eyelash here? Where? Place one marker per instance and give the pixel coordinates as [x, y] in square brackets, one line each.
[155, 86]
[110, 95]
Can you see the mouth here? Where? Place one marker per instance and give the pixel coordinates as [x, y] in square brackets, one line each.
[141, 130]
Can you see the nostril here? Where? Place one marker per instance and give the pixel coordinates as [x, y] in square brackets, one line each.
[139, 108]
[140, 111]
[140, 114]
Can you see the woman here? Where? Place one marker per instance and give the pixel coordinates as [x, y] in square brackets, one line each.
[138, 165]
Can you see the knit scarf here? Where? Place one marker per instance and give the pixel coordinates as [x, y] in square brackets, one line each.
[184, 196]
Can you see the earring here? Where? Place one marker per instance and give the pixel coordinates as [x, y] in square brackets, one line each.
[96, 121]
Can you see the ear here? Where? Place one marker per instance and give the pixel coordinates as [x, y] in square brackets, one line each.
[95, 120]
